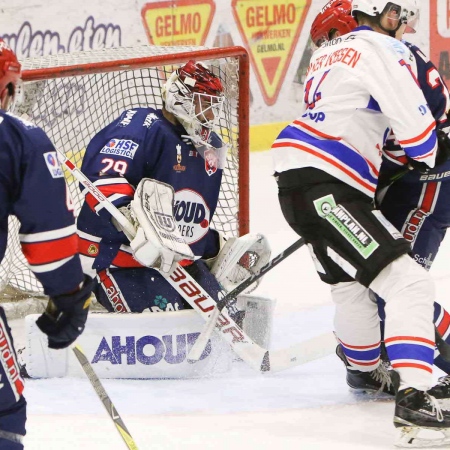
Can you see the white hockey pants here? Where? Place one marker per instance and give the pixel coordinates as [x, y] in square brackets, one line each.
[409, 292]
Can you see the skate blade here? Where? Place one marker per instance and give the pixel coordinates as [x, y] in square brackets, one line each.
[371, 394]
[422, 437]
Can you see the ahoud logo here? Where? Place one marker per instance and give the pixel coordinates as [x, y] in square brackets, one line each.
[344, 222]
[179, 22]
[270, 29]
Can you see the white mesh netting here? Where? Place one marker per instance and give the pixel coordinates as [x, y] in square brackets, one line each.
[72, 96]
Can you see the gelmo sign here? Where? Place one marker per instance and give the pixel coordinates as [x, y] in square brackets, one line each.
[440, 36]
[270, 29]
[179, 22]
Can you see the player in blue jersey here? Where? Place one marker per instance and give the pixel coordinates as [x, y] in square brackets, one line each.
[175, 145]
[417, 203]
[32, 187]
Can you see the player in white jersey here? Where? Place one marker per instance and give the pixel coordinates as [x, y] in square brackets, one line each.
[358, 88]
[416, 203]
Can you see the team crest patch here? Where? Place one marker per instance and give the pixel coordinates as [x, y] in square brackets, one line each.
[211, 162]
[53, 165]
[92, 250]
[178, 167]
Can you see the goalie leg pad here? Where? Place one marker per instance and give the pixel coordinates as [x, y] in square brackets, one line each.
[158, 243]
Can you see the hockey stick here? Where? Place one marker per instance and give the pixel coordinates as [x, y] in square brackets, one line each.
[442, 346]
[104, 397]
[202, 340]
[250, 352]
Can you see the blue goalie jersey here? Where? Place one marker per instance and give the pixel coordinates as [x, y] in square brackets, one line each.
[142, 143]
[32, 187]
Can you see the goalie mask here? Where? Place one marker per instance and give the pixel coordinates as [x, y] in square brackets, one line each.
[9, 74]
[194, 95]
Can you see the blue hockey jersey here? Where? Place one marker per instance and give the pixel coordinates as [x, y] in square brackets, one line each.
[32, 187]
[141, 143]
[437, 96]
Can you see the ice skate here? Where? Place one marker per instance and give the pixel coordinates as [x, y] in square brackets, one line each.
[421, 420]
[442, 392]
[380, 380]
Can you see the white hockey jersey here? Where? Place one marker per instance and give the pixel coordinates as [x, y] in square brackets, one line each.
[358, 87]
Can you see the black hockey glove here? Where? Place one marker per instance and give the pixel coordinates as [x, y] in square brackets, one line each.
[442, 155]
[417, 165]
[65, 316]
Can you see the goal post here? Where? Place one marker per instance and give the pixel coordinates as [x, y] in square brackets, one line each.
[72, 96]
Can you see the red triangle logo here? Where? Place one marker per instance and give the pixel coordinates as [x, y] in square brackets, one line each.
[271, 66]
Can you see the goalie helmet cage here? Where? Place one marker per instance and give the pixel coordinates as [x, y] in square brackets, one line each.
[72, 96]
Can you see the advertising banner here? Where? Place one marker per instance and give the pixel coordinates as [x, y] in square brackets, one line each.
[440, 36]
[270, 30]
[180, 22]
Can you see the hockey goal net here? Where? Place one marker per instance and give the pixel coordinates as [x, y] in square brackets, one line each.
[72, 96]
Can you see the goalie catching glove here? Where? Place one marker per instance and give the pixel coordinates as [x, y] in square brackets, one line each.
[158, 243]
[65, 316]
[239, 259]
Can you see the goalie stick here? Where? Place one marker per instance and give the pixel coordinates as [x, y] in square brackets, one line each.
[254, 355]
[104, 397]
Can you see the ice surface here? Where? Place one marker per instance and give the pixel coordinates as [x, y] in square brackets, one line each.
[305, 408]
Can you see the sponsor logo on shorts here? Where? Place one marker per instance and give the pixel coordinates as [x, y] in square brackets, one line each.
[424, 261]
[412, 227]
[347, 225]
[10, 364]
[120, 147]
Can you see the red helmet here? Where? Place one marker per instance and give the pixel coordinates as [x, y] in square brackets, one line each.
[197, 78]
[9, 69]
[335, 15]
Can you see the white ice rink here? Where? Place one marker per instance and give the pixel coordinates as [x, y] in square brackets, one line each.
[306, 408]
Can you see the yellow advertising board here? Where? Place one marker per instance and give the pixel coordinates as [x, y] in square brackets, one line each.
[179, 22]
[270, 29]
